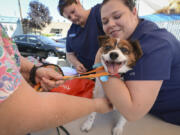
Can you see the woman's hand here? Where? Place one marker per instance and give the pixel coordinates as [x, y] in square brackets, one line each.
[48, 78]
[80, 68]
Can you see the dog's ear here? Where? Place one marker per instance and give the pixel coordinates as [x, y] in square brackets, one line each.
[102, 39]
[137, 49]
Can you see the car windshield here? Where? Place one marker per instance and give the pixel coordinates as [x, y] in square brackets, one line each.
[47, 40]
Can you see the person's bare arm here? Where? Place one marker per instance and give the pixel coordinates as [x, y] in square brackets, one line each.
[133, 98]
[27, 110]
[26, 66]
[75, 62]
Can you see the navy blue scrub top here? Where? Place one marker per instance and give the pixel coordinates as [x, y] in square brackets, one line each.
[84, 41]
[160, 61]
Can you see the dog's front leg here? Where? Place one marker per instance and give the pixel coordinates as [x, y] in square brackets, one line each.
[118, 129]
[87, 125]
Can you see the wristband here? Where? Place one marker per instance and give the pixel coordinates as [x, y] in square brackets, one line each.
[33, 74]
[34, 69]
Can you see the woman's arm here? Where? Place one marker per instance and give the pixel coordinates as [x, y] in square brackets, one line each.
[26, 66]
[133, 98]
[78, 65]
[28, 111]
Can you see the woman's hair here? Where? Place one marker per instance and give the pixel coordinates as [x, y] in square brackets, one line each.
[129, 3]
[64, 3]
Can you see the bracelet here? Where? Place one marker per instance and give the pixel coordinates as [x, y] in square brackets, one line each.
[33, 74]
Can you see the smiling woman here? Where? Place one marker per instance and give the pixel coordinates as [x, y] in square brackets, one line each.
[153, 84]
[125, 21]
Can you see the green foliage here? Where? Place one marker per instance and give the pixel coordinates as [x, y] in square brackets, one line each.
[38, 15]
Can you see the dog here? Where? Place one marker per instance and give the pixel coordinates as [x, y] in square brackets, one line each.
[118, 56]
[172, 8]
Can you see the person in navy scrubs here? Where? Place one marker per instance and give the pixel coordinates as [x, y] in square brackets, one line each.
[153, 85]
[82, 37]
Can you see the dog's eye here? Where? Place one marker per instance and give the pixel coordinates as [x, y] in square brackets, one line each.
[107, 48]
[124, 50]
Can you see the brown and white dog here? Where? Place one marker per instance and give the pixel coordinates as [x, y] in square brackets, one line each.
[172, 8]
[118, 56]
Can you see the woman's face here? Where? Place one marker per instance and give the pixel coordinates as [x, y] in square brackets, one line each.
[117, 19]
[73, 13]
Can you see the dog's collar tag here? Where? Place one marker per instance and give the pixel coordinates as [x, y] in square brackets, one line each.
[104, 78]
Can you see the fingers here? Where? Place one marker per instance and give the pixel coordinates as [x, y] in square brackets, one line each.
[81, 69]
[47, 84]
[52, 74]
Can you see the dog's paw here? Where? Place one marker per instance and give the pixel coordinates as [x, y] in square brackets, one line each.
[87, 125]
[117, 131]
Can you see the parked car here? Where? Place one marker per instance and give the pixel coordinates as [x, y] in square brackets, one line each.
[55, 37]
[39, 46]
[61, 40]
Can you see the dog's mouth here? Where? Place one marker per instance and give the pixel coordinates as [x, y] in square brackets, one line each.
[113, 66]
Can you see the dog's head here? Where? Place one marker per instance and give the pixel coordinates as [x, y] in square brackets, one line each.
[119, 56]
[174, 7]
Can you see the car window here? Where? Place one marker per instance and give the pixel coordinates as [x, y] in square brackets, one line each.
[62, 40]
[47, 40]
[32, 39]
[20, 38]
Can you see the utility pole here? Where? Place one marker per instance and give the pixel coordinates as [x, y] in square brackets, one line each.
[20, 9]
[20, 12]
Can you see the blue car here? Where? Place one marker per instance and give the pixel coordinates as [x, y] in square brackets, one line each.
[39, 46]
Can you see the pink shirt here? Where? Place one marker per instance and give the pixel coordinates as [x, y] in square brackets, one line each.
[10, 77]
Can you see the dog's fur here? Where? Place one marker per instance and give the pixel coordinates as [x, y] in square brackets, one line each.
[172, 8]
[118, 56]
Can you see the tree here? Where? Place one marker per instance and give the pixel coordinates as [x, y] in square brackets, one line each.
[38, 16]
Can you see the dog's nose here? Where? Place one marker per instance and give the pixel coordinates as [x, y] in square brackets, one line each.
[113, 55]
[172, 11]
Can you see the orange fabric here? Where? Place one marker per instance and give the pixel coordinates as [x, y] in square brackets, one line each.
[77, 87]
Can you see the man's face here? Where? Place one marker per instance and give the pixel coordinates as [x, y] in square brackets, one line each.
[118, 20]
[73, 13]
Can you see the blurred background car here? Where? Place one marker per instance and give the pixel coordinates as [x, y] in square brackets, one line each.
[61, 40]
[56, 36]
[39, 46]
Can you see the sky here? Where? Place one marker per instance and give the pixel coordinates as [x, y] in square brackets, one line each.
[10, 8]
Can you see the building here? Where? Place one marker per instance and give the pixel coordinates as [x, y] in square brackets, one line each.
[57, 28]
[12, 25]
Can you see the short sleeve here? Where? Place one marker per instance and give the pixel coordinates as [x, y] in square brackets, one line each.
[98, 19]
[155, 64]
[10, 76]
[68, 47]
